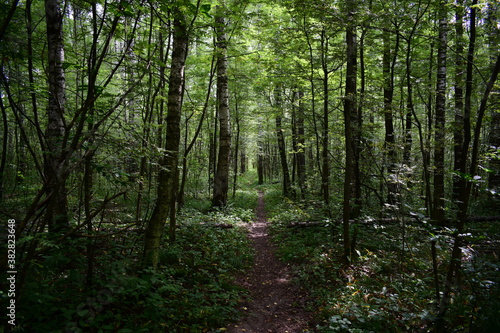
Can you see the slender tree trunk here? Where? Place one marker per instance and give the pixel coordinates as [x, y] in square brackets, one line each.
[425, 136]
[221, 179]
[458, 129]
[148, 117]
[22, 166]
[287, 188]
[5, 141]
[56, 215]
[236, 148]
[456, 254]
[410, 108]
[325, 177]
[389, 142]
[8, 18]
[243, 159]
[301, 146]
[187, 150]
[88, 177]
[438, 212]
[494, 136]
[350, 118]
[314, 157]
[260, 156]
[167, 182]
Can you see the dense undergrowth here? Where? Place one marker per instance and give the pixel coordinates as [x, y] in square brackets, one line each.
[193, 290]
[390, 285]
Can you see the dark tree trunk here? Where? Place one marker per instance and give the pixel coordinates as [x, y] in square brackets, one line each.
[438, 211]
[350, 119]
[167, 177]
[389, 142]
[325, 175]
[56, 215]
[243, 159]
[5, 140]
[494, 137]
[458, 126]
[221, 179]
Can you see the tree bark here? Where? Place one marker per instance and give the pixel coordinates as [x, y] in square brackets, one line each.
[236, 153]
[325, 176]
[389, 142]
[221, 179]
[494, 136]
[300, 146]
[56, 215]
[301, 142]
[438, 211]
[167, 182]
[287, 188]
[5, 140]
[458, 128]
[350, 118]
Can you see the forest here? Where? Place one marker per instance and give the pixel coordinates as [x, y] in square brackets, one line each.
[142, 143]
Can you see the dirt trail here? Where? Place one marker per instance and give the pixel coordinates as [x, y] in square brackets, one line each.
[276, 304]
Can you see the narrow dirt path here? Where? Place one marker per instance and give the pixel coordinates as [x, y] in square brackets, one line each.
[276, 304]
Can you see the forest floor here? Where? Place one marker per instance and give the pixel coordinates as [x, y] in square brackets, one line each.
[276, 303]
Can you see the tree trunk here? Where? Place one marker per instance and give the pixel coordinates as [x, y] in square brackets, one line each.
[260, 156]
[458, 134]
[221, 179]
[300, 156]
[88, 176]
[5, 140]
[167, 183]
[438, 212]
[236, 149]
[325, 176]
[350, 118]
[389, 142]
[494, 136]
[187, 150]
[243, 159]
[56, 215]
[287, 188]
[456, 254]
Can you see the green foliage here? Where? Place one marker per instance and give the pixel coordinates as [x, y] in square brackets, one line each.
[390, 286]
[192, 291]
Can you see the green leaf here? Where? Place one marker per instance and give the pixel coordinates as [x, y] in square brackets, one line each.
[205, 9]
